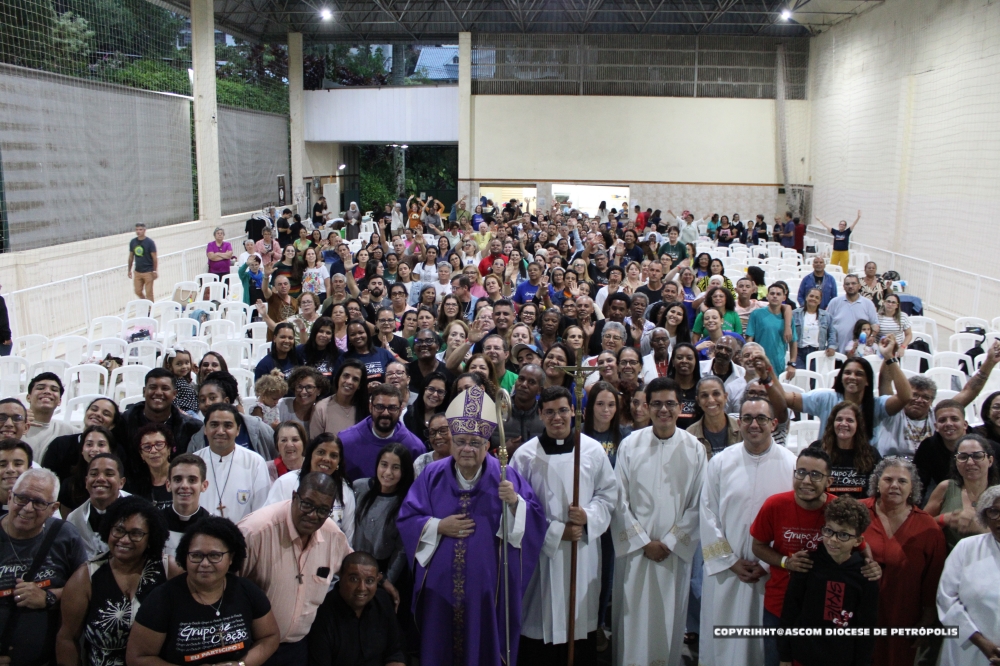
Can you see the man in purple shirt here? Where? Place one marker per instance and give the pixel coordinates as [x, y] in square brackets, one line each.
[363, 442]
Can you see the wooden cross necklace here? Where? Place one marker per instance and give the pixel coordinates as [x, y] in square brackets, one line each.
[215, 478]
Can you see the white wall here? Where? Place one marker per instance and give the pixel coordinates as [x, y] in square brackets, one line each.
[906, 127]
[407, 114]
[705, 155]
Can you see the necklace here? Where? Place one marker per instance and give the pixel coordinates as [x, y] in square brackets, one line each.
[215, 478]
[10, 540]
[216, 607]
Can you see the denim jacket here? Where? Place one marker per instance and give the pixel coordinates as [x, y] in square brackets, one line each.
[827, 333]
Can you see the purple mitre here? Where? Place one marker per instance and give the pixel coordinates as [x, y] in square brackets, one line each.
[472, 412]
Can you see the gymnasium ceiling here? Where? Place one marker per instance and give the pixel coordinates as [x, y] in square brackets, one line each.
[440, 21]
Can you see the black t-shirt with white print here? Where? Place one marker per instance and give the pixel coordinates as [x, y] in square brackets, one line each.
[195, 634]
[33, 626]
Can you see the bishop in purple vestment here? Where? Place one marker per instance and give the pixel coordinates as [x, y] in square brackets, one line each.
[451, 525]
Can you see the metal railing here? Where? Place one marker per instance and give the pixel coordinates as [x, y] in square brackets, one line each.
[951, 292]
[67, 307]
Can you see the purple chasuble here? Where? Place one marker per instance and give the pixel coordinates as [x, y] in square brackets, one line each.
[361, 448]
[458, 600]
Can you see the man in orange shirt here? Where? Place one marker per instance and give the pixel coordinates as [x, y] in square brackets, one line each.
[293, 552]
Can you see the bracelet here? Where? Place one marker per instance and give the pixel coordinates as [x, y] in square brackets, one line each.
[783, 560]
[890, 361]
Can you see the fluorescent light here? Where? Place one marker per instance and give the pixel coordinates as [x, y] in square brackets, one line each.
[341, 167]
[404, 146]
[786, 14]
[325, 14]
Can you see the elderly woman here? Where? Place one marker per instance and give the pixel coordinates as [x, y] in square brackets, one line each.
[439, 437]
[954, 501]
[100, 600]
[220, 254]
[873, 287]
[910, 548]
[180, 620]
[967, 596]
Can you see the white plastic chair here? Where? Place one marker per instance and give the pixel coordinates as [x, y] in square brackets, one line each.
[215, 291]
[803, 432]
[260, 350]
[807, 380]
[143, 322]
[237, 312]
[197, 348]
[182, 329]
[126, 381]
[138, 308]
[106, 327]
[13, 376]
[818, 361]
[963, 342]
[164, 311]
[919, 324]
[86, 379]
[943, 394]
[125, 403]
[217, 330]
[57, 366]
[23, 343]
[974, 322]
[33, 353]
[947, 377]
[207, 306]
[101, 347]
[143, 352]
[80, 402]
[911, 360]
[831, 377]
[875, 362]
[188, 286]
[236, 352]
[926, 337]
[246, 383]
[72, 348]
[256, 331]
[995, 324]
[203, 278]
[952, 360]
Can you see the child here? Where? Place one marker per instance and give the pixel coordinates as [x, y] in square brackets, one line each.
[179, 363]
[270, 389]
[833, 594]
[858, 348]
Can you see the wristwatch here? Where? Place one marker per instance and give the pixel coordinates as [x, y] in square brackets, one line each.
[50, 599]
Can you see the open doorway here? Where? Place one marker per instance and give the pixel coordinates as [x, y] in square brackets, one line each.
[588, 198]
[501, 194]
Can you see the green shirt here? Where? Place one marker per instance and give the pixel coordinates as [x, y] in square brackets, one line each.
[677, 251]
[507, 381]
[730, 322]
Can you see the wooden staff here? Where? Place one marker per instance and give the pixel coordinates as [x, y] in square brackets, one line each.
[579, 373]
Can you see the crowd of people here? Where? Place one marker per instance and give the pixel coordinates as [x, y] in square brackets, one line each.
[372, 505]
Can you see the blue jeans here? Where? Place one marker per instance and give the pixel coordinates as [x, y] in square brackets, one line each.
[5, 349]
[771, 657]
[800, 360]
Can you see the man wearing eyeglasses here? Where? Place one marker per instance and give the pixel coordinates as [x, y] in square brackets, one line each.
[788, 529]
[451, 525]
[738, 481]
[655, 532]
[546, 462]
[29, 618]
[363, 441]
[293, 553]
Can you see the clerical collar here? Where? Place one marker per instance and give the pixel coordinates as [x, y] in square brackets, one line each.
[389, 436]
[173, 507]
[555, 447]
[222, 458]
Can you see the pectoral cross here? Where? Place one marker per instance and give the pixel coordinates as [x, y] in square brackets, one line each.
[221, 509]
[299, 576]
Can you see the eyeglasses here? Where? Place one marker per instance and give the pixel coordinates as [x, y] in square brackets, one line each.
[308, 508]
[657, 405]
[469, 444]
[964, 457]
[815, 475]
[424, 341]
[134, 536]
[841, 536]
[155, 446]
[562, 411]
[24, 500]
[214, 557]
[16, 418]
[628, 362]
[385, 408]
[611, 336]
[761, 419]
[438, 432]
[992, 513]
[305, 388]
[434, 391]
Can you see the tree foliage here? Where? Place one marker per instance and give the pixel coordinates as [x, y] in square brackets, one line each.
[428, 169]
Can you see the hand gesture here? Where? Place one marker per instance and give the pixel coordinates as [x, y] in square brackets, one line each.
[507, 494]
[269, 269]
[656, 551]
[543, 282]
[871, 570]
[477, 331]
[261, 308]
[588, 327]
[762, 366]
[991, 359]
[887, 345]
[365, 297]
[799, 562]
[457, 526]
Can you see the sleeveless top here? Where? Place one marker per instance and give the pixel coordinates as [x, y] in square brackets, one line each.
[110, 613]
[952, 502]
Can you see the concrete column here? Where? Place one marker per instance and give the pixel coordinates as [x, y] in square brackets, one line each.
[206, 124]
[295, 112]
[465, 114]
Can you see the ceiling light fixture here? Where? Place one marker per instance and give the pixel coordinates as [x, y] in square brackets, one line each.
[325, 14]
[786, 14]
[341, 167]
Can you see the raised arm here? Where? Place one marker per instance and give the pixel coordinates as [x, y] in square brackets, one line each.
[976, 382]
[895, 403]
[824, 224]
[855, 223]
[265, 284]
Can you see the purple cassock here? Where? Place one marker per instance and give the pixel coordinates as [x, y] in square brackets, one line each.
[361, 448]
[458, 599]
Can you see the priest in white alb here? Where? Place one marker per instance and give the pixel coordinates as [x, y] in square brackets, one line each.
[737, 482]
[660, 470]
[238, 480]
[546, 462]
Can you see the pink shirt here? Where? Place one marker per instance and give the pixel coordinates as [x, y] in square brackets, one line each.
[275, 558]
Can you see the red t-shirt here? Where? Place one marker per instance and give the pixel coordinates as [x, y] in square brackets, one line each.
[791, 529]
[641, 219]
[800, 235]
